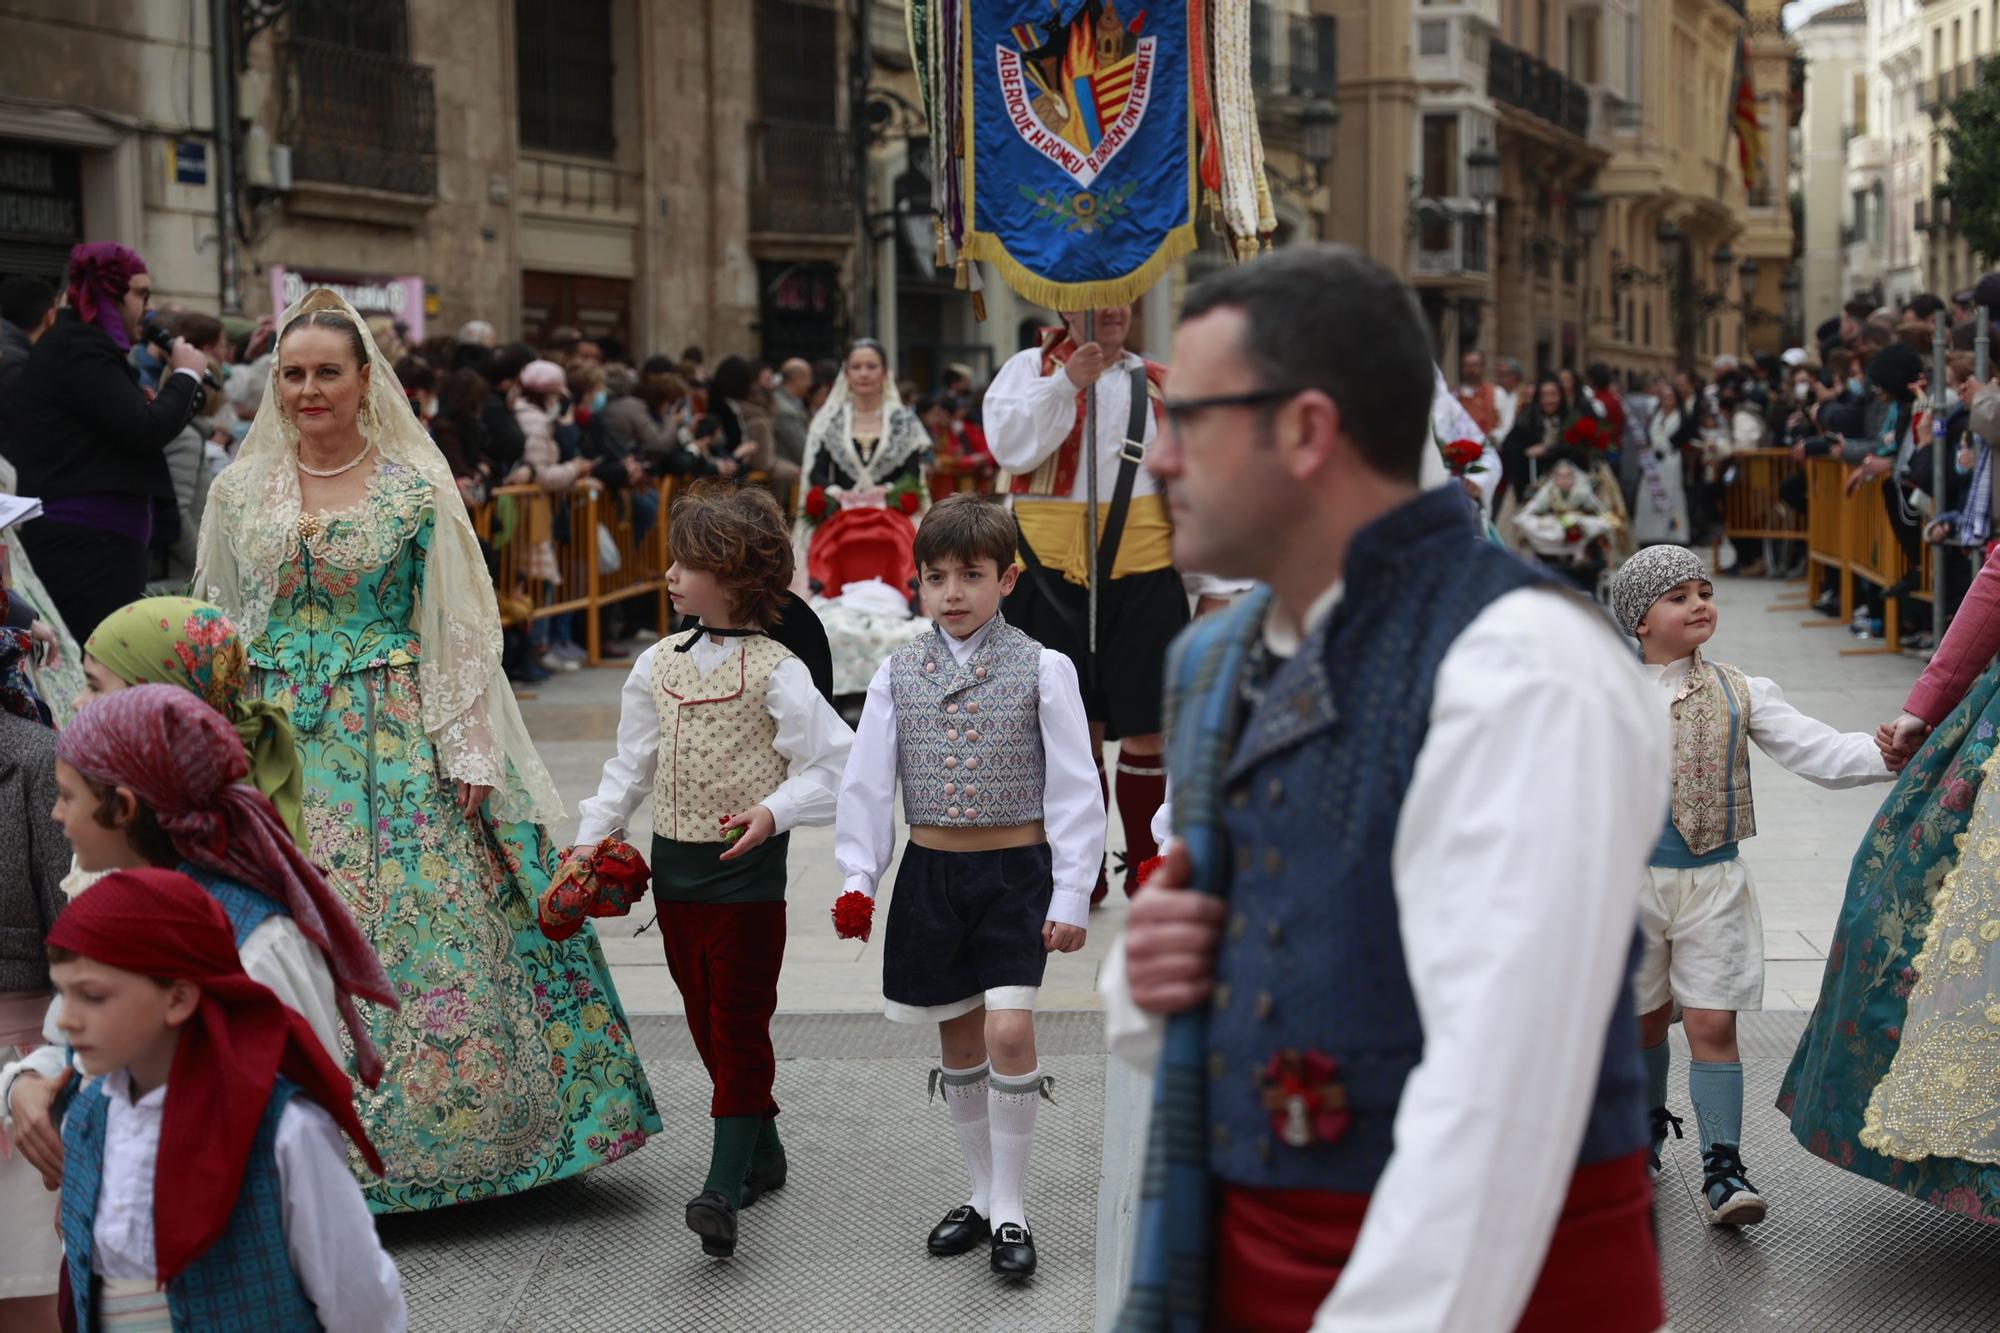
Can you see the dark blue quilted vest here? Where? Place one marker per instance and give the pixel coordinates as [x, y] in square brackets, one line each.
[244, 1283]
[1312, 959]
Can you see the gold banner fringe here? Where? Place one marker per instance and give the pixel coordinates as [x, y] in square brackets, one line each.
[1070, 296]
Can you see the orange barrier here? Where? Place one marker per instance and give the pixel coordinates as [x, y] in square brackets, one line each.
[517, 520]
[1850, 537]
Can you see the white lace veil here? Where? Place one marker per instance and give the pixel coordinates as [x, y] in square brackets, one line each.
[832, 428]
[251, 531]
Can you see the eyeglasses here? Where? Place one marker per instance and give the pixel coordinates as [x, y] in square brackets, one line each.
[1181, 411]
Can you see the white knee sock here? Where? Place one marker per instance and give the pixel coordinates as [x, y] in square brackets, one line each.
[965, 1097]
[1013, 1114]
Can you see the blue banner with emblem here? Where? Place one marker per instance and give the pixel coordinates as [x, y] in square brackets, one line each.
[1081, 185]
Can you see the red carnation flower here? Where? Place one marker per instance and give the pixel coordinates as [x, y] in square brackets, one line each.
[1148, 866]
[1462, 454]
[816, 502]
[853, 915]
[909, 500]
[1584, 432]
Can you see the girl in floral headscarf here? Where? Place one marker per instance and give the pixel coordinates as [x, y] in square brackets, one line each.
[179, 641]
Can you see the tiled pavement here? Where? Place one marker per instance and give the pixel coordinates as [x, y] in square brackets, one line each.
[840, 1248]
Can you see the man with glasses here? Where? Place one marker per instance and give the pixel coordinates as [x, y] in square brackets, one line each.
[89, 442]
[1035, 413]
[1415, 789]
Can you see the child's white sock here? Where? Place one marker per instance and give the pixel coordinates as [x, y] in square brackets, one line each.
[1012, 1109]
[965, 1097]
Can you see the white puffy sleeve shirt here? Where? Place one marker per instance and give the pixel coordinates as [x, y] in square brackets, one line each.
[1515, 927]
[1814, 750]
[1072, 800]
[811, 736]
[348, 1276]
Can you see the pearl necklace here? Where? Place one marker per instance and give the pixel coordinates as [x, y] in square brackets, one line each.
[348, 466]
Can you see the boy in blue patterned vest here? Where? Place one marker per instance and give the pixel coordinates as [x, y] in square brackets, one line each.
[983, 732]
[1704, 941]
[205, 1187]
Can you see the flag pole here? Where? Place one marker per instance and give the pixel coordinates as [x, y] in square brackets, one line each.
[1090, 493]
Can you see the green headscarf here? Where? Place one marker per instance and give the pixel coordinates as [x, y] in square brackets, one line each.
[179, 641]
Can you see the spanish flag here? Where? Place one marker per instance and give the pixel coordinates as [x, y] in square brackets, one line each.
[1743, 119]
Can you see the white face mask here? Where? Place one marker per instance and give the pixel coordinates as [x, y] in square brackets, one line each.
[1802, 391]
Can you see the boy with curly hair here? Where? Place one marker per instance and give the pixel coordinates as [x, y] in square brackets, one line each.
[725, 728]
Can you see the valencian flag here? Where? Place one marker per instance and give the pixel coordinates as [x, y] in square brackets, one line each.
[1743, 119]
[1075, 140]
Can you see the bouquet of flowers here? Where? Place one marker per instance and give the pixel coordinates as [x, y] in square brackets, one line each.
[1462, 457]
[906, 497]
[1584, 433]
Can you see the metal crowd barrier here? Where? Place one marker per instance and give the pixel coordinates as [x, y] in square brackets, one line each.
[514, 520]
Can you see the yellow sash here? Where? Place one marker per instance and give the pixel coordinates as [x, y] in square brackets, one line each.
[1060, 533]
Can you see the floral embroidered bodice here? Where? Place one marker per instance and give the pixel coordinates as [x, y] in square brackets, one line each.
[346, 598]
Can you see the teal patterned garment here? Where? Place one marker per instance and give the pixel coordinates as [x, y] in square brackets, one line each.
[1848, 1047]
[510, 1063]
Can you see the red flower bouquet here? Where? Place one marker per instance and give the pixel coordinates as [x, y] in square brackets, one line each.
[853, 915]
[816, 503]
[1462, 457]
[1584, 433]
[909, 501]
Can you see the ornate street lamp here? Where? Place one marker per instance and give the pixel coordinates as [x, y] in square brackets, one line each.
[1672, 243]
[1724, 260]
[1748, 270]
[1482, 173]
[1587, 215]
[1319, 127]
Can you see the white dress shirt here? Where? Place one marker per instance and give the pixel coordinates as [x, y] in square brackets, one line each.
[276, 954]
[1808, 747]
[1534, 805]
[811, 737]
[1072, 800]
[348, 1276]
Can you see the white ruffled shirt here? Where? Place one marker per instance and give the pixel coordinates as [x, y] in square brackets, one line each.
[350, 1279]
[811, 736]
[1515, 926]
[1072, 799]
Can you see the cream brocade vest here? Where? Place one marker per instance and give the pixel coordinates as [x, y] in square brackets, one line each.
[716, 738]
[1711, 711]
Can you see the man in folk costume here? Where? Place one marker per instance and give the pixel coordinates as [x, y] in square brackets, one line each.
[1035, 415]
[1410, 1104]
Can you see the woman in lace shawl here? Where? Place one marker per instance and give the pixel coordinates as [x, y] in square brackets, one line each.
[339, 545]
[861, 491]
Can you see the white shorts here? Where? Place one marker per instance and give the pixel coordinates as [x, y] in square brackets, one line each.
[1703, 940]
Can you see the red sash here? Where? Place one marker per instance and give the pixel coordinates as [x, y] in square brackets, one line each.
[1278, 1253]
[1056, 349]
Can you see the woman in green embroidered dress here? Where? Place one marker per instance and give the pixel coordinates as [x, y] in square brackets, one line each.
[339, 545]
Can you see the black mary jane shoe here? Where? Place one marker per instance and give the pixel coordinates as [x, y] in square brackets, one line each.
[710, 1217]
[1013, 1250]
[756, 1184]
[961, 1230]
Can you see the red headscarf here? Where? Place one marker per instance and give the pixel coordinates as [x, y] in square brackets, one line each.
[159, 923]
[99, 274]
[186, 762]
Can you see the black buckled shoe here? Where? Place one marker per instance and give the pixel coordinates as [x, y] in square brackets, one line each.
[756, 1184]
[710, 1217]
[1013, 1250]
[961, 1229]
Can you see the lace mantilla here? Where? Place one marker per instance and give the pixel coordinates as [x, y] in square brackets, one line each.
[250, 532]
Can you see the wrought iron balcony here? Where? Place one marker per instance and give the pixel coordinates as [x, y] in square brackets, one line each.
[802, 179]
[358, 118]
[1449, 243]
[1299, 58]
[1519, 79]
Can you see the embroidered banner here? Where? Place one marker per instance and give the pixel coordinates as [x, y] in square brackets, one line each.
[1081, 187]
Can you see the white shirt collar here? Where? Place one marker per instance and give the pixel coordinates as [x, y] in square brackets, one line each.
[1673, 674]
[1281, 639]
[118, 1083]
[963, 649]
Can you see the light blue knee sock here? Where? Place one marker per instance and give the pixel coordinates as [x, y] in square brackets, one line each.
[1656, 1059]
[1716, 1089]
